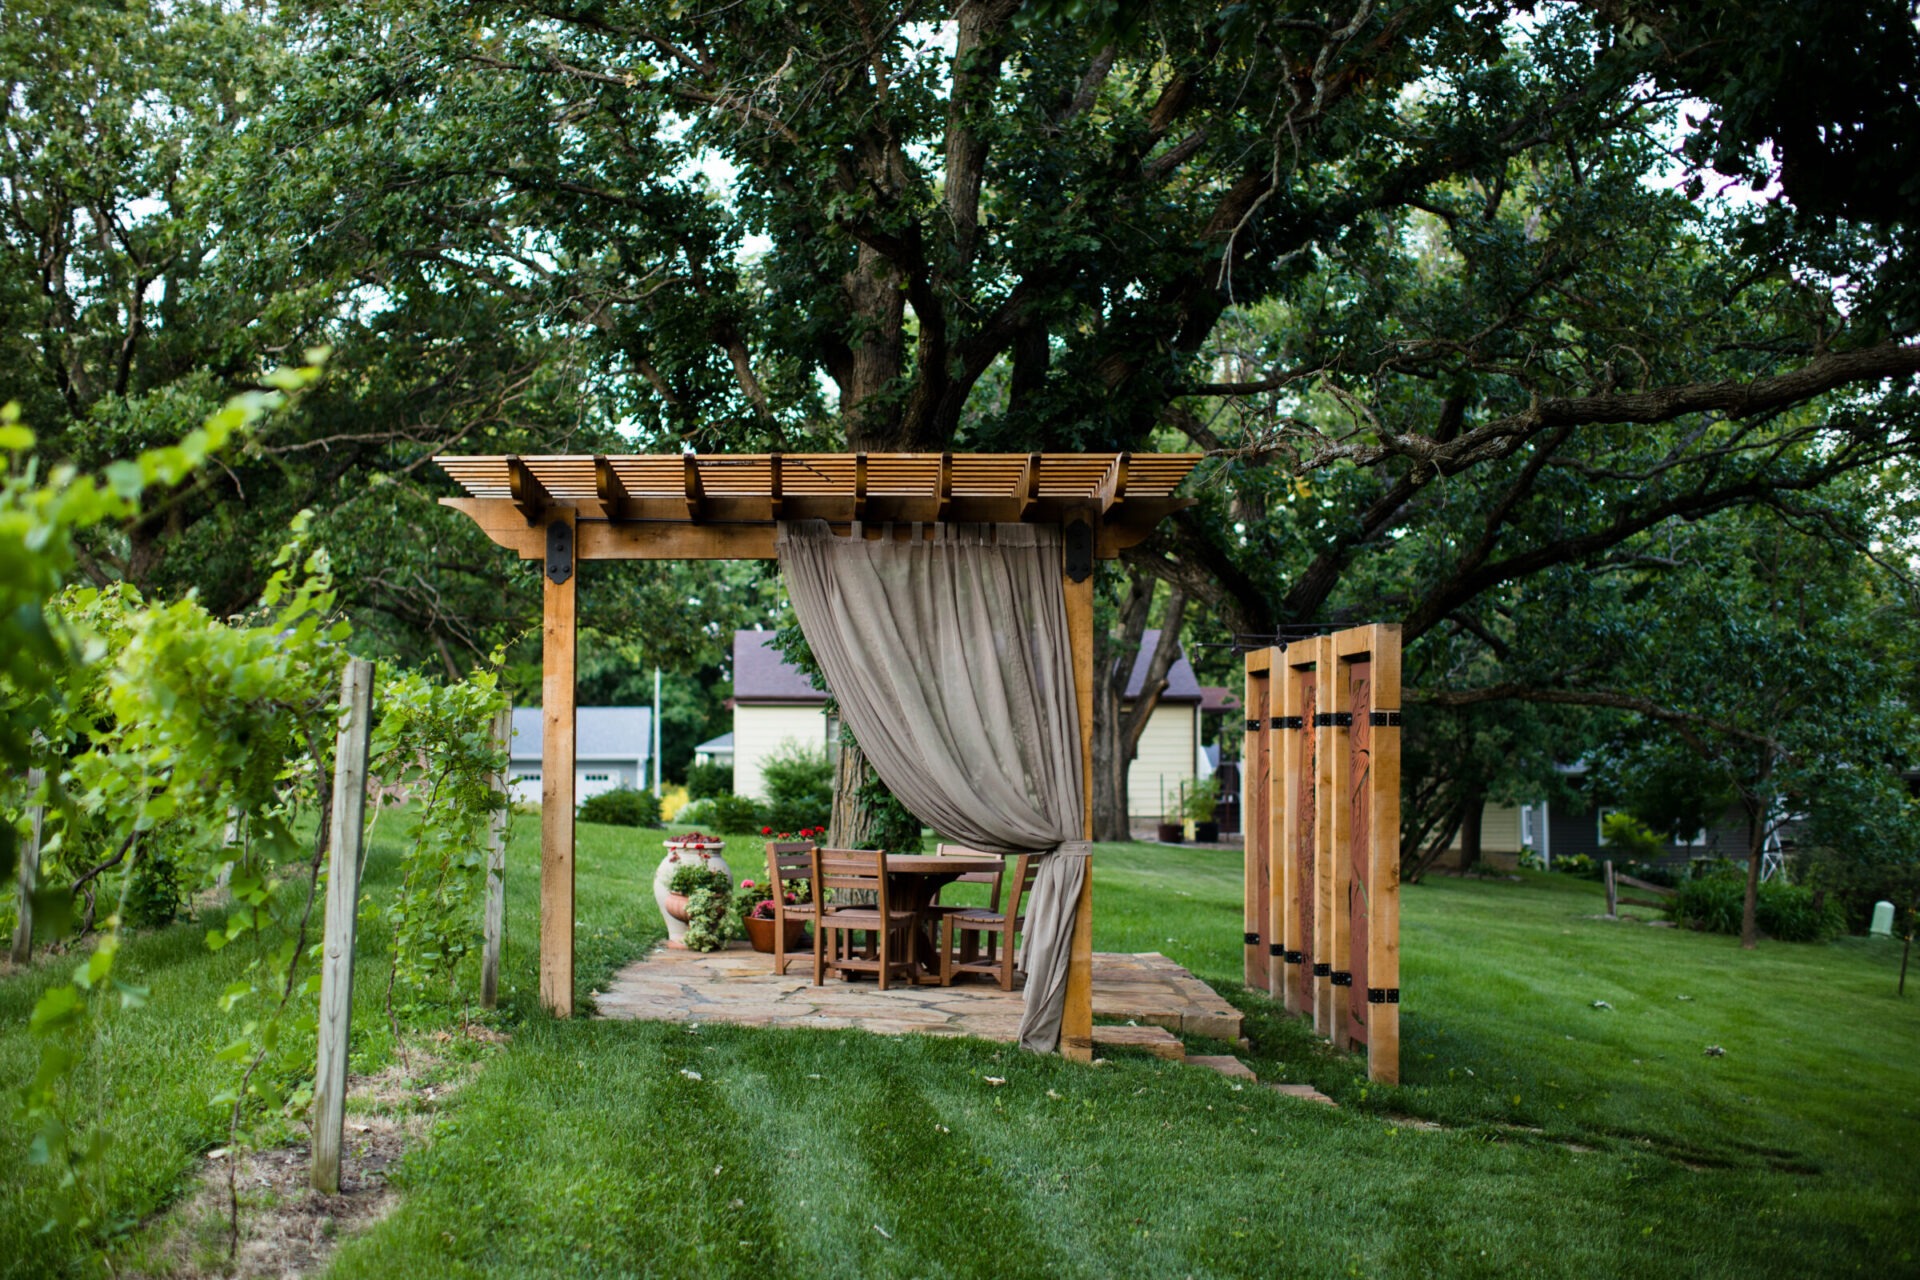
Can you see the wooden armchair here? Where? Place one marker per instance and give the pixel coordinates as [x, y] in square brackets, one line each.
[787, 861]
[971, 927]
[838, 874]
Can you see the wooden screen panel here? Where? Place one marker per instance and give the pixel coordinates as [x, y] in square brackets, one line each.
[1336, 865]
[1383, 905]
[1359, 677]
[1257, 884]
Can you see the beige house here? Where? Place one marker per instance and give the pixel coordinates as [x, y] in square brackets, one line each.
[774, 704]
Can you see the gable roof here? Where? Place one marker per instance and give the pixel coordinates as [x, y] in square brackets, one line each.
[1182, 685]
[1216, 699]
[599, 733]
[760, 674]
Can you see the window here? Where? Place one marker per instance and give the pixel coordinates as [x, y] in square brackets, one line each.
[1600, 825]
[605, 777]
[527, 777]
[1526, 826]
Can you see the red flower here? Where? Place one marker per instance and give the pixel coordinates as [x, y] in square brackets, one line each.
[766, 831]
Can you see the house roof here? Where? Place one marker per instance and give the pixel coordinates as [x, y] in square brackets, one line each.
[722, 743]
[599, 733]
[1217, 698]
[760, 674]
[1182, 685]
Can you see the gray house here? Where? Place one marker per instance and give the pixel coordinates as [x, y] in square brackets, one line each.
[612, 748]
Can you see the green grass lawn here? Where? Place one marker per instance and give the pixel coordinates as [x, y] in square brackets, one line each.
[1573, 1140]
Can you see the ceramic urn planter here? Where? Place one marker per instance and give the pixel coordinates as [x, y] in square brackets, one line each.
[681, 853]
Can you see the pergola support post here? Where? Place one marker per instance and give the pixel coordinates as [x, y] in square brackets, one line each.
[1076, 1021]
[556, 766]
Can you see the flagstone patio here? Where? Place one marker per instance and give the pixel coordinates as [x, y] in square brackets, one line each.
[737, 985]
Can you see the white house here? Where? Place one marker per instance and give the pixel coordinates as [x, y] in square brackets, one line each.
[612, 748]
[715, 751]
[773, 703]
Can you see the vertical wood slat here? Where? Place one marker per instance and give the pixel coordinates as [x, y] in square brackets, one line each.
[343, 894]
[1076, 1022]
[1279, 975]
[1383, 901]
[1256, 865]
[22, 949]
[1286, 817]
[1324, 751]
[495, 927]
[1306, 825]
[1358, 853]
[556, 789]
[1339, 864]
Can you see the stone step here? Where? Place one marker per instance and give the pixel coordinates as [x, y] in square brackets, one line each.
[1158, 1041]
[1305, 1092]
[1225, 1063]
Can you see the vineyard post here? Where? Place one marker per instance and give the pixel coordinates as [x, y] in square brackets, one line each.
[496, 920]
[343, 894]
[29, 868]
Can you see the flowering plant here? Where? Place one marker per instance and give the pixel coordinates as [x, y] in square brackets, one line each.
[758, 906]
[804, 833]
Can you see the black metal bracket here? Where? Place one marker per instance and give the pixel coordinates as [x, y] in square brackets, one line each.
[1292, 957]
[1287, 722]
[1253, 725]
[1333, 720]
[1391, 719]
[559, 551]
[1078, 540]
[1253, 939]
[1322, 970]
[1383, 995]
[1273, 949]
[1341, 978]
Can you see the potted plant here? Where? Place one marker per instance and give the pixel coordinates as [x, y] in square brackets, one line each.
[690, 850]
[1171, 832]
[759, 920]
[705, 904]
[1199, 805]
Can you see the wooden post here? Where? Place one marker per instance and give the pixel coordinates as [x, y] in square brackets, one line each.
[1613, 890]
[556, 770]
[496, 918]
[233, 838]
[1256, 786]
[343, 895]
[1286, 826]
[29, 866]
[1338, 699]
[1076, 1021]
[1383, 887]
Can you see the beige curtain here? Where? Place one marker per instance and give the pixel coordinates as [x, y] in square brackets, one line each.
[950, 660]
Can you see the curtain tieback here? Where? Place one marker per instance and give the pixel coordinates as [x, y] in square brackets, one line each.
[1074, 848]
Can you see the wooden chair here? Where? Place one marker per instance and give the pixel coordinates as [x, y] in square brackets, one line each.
[890, 948]
[972, 877]
[787, 861]
[991, 925]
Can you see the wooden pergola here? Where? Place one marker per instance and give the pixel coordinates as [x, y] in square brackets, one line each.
[565, 509]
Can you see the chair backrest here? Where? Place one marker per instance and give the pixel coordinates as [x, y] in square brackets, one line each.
[993, 878]
[847, 872]
[1025, 868]
[787, 861]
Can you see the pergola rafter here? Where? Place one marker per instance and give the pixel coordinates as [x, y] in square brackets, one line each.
[567, 508]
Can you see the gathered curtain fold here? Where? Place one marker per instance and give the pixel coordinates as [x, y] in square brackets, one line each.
[951, 662]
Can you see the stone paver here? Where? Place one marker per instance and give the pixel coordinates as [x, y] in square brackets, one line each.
[1158, 1041]
[1305, 1092]
[1225, 1063]
[739, 986]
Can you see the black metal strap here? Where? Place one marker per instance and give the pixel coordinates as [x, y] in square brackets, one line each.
[1333, 720]
[1388, 718]
[1322, 970]
[1273, 949]
[1341, 978]
[1286, 722]
[1383, 995]
[1253, 724]
[1253, 939]
[1292, 957]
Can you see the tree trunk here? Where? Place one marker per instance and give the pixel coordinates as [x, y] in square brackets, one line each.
[1470, 821]
[849, 827]
[1756, 845]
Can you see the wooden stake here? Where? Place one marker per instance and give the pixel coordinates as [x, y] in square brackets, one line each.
[556, 788]
[496, 918]
[1076, 1021]
[29, 867]
[343, 895]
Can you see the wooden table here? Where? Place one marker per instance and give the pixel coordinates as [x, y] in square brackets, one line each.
[914, 881]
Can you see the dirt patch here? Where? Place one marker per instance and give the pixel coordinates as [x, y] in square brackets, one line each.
[287, 1229]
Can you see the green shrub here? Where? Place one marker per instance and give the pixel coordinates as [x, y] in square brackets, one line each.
[1786, 912]
[1629, 839]
[622, 807]
[705, 780]
[799, 785]
[733, 815]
